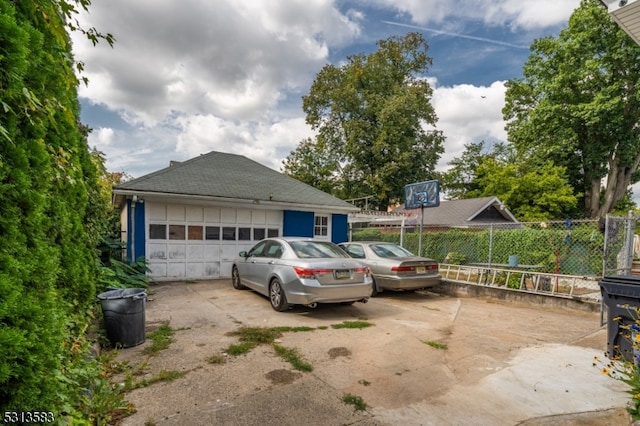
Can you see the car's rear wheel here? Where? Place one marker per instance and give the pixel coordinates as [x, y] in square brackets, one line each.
[235, 279]
[277, 296]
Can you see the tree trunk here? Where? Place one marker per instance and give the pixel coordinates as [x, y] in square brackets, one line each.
[592, 200]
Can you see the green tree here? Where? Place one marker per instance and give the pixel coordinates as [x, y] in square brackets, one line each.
[48, 262]
[314, 164]
[371, 115]
[532, 192]
[459, 179]
[578, 106]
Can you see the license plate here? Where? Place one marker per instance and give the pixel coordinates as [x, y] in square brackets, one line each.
[342, 274]
[421, 270]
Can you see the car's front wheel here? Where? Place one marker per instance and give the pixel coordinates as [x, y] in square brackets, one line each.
[277, 296]
[235, 279]
[374, 288]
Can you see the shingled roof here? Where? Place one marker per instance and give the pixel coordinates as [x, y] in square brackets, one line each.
[230, 176]
[462, 212]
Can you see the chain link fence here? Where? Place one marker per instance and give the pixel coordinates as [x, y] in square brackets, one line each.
[587, 248]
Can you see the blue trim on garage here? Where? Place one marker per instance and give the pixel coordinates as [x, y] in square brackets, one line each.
[136, 234]
[339, 228]
[297, 224]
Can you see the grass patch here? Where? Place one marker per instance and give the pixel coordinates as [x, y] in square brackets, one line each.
[161, 339]
[436, 345]
[357, 402]
[240, 348]
[297, 329]
[292, 357]
[163, 376]
[352, 324]
[257, 335]
[216, 359]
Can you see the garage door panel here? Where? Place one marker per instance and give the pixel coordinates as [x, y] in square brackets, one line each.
[194, 251]
[177, 251]
[212, 269]
[212, 252]
[194, 270]
[157, 251]
[176, 270]
[157, 269]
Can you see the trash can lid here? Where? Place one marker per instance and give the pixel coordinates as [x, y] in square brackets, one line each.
[123, 293]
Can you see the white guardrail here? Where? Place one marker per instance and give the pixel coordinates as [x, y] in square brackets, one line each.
[523, 279]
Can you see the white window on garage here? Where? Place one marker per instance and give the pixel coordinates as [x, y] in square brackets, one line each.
[321, 226]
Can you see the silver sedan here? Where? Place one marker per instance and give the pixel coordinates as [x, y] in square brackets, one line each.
[393, 267]
[301, 271]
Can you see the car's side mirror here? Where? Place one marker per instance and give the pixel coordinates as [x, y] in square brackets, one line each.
[243, 254]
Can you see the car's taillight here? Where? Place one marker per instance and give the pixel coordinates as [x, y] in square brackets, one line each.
[433, 267]
[309, 272]
[366, 271]
[403, 268]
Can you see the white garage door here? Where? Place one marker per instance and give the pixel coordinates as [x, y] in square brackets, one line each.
[196, 242]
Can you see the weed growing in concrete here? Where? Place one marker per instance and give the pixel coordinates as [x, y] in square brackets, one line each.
[240, 348]
[436, 345]
[161, 339]
[216, 359]
[357, 402]
[352, 324]
[257, 335]
[292, 357]
[162, 376]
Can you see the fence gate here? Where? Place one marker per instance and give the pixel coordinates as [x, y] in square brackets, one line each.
[621, 245]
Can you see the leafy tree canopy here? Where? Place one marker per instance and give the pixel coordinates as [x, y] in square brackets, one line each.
[531, 190]
[578, 106]
[372, 116]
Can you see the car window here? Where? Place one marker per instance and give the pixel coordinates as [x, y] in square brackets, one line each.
[274, 250]
[316, 249]
[258, 249]
[354, 250]
[390, 250]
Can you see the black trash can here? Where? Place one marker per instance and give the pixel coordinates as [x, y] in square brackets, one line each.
[124, 315]
[621, 295]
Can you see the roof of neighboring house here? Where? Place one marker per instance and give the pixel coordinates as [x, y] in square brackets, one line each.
[462, 212]
[229, 176]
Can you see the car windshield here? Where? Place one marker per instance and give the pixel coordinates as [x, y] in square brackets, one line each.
[390, 250]
[316, 249]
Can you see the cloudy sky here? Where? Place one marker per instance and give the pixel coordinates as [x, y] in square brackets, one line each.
[186, 77]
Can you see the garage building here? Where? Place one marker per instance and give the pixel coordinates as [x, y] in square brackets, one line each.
[191, 219]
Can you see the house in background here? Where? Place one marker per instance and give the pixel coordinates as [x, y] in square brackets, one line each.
[191, 219]
[627, 15]
[466, 213]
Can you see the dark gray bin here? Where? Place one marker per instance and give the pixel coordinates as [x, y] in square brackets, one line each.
[124, 316]
[621, 295]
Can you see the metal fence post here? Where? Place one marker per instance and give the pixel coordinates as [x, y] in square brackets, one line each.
[490, 245]
[628, 244]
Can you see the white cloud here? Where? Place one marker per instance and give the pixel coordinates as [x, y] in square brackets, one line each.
[193, 76]
[468, 114]
[232, 59]
[263, 142]
[101, 138]
[512, 13]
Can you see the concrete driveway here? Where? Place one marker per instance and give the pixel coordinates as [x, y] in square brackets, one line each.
[503, 364]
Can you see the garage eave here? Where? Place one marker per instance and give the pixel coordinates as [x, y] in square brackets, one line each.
[121, 195]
